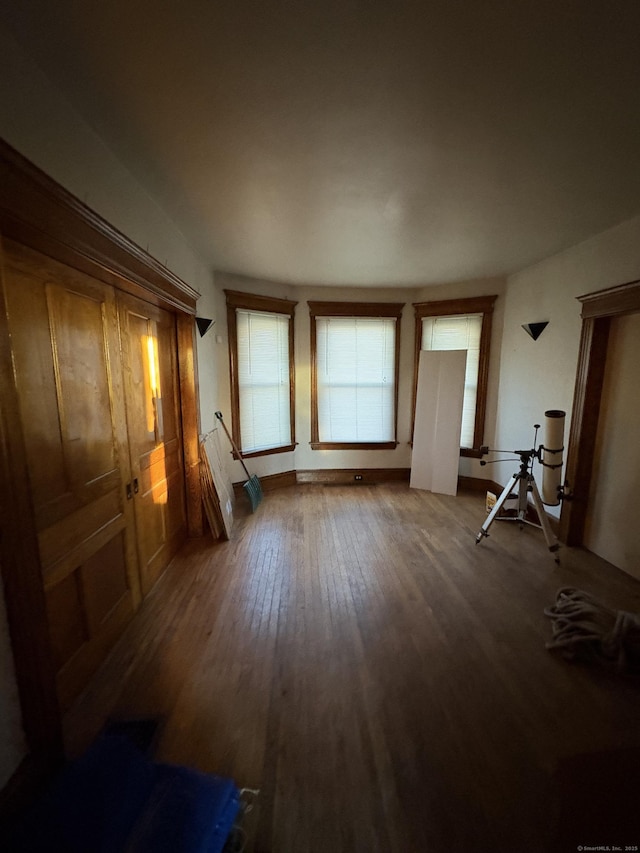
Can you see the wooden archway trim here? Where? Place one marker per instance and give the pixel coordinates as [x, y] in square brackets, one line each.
[598, 309]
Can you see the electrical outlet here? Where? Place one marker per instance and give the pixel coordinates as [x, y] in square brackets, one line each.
[357, 476]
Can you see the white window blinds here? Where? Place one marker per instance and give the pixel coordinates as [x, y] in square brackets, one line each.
[460, 332]
[263, 380]
[356, 378]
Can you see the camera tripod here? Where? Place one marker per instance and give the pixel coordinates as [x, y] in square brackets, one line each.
[526, 485]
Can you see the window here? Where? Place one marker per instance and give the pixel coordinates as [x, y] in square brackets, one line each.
[261, 361]
[354, 386]
[456, 333]
[460, 324]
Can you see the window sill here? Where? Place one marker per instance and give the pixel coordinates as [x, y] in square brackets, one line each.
[269, 452]
[469, 452]
[353, 445]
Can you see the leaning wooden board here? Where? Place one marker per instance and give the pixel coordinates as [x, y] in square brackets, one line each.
[211, 454]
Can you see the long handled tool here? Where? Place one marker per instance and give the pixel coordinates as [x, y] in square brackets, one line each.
[252, 487]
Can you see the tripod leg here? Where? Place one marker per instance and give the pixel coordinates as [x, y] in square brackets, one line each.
[484, 530]
[552, 543]
[523, 500]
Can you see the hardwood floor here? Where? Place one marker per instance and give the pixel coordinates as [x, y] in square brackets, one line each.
[381, 679]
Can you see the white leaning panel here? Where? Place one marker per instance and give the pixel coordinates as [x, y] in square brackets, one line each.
[436, 436]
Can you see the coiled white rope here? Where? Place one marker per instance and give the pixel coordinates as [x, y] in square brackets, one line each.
[586, 629]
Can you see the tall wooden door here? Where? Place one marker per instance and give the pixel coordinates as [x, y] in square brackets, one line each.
[68, 373]
[149, 350]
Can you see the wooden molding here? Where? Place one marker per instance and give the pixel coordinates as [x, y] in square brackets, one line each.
[313, 361]
[278, 481]
[483, 377]
[353, 445]
[232, 334]
[347, 476]
[187, 374]
[255, 302]
[269, 483]
[271, 451]
[39, 213]
[335, 476]
[594, 340]
[355, 309]
[477, 484]
[444, 307]
[612, 302]
[470, 452]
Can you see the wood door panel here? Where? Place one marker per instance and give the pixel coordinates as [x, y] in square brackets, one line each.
[168, 371]
[155, 442]
[176, 510]
[139, 350]
[34, 368]
[87, 610]
[67, 625]
[64, 338]
[83, 384]
[161, 463]
[104, 582]
[63, 547]
[75, 674]
[68, 373]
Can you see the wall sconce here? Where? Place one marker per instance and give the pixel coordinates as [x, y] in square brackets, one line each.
[534, 330]
[204, 325]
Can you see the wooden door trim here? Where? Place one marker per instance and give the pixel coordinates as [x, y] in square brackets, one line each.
[598, 309]
[188, 380]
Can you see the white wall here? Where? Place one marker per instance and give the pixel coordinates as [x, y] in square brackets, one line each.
[210, 353]
[37, 121]
[540, 375]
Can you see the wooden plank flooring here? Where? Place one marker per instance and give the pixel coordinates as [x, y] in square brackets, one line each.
[380, 678]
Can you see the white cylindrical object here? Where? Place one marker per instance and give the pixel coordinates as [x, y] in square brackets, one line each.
[552, 452]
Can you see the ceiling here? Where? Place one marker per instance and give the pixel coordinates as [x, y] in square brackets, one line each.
[366, 142]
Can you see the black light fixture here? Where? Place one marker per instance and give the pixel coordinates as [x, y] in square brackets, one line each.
[534, 330]
[204, 325]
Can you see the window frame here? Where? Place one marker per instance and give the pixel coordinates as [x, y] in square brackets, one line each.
[448, 308]
[357, 310]
[271, 305]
